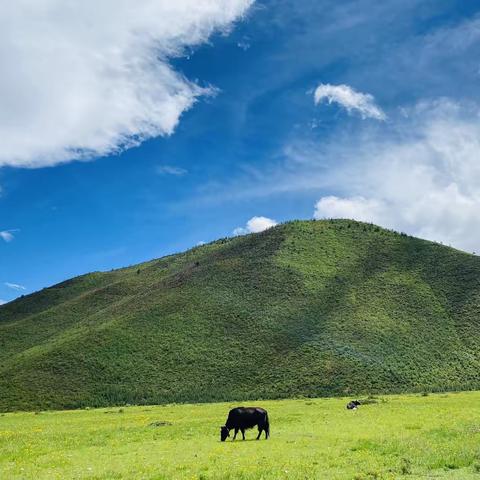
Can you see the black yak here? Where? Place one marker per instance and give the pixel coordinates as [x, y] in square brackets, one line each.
[242, 418]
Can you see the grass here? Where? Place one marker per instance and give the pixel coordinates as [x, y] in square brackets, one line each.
[410, 436]
[312, 308]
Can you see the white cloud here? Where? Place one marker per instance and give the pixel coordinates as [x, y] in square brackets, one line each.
[350, 99]
[255, 225]
[424, 179]
[419, 173]
[354, 208]
[170, 170]
[7, 235]
[15, 286]
[82, 79]
[2, 302]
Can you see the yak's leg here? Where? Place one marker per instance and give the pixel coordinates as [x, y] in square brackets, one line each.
[243, 433]
[235, 436]
[259, 432]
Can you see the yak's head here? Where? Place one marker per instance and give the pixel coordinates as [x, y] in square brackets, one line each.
[224, 433]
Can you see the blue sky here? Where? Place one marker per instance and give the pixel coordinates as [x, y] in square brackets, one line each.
[121, 148]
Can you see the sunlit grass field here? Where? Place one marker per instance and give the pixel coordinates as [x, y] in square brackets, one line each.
[409, 436]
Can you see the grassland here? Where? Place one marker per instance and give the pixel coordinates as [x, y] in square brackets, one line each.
[306, 308]
[411, 437]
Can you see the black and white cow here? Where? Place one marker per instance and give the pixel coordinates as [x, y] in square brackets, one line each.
[353, 405]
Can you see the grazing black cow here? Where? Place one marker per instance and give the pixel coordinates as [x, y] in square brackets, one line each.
[242, 418]
[353, 405]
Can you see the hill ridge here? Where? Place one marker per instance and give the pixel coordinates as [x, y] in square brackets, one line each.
[311, 308]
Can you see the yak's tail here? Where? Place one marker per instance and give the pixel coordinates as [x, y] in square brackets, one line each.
[267, 426]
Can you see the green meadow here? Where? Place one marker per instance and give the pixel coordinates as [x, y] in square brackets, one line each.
[436, 436]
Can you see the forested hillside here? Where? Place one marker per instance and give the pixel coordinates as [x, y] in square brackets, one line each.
[306, 308]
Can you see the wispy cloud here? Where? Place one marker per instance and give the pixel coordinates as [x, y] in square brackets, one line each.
[418, 174]
[170, 170]
[104, 82]
[2, 302]
[15, 286]
[7, 235]
[255, 225]
[422, 179]
[350, 99]
[244, 44]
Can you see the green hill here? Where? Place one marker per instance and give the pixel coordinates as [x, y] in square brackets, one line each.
[306, 308]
